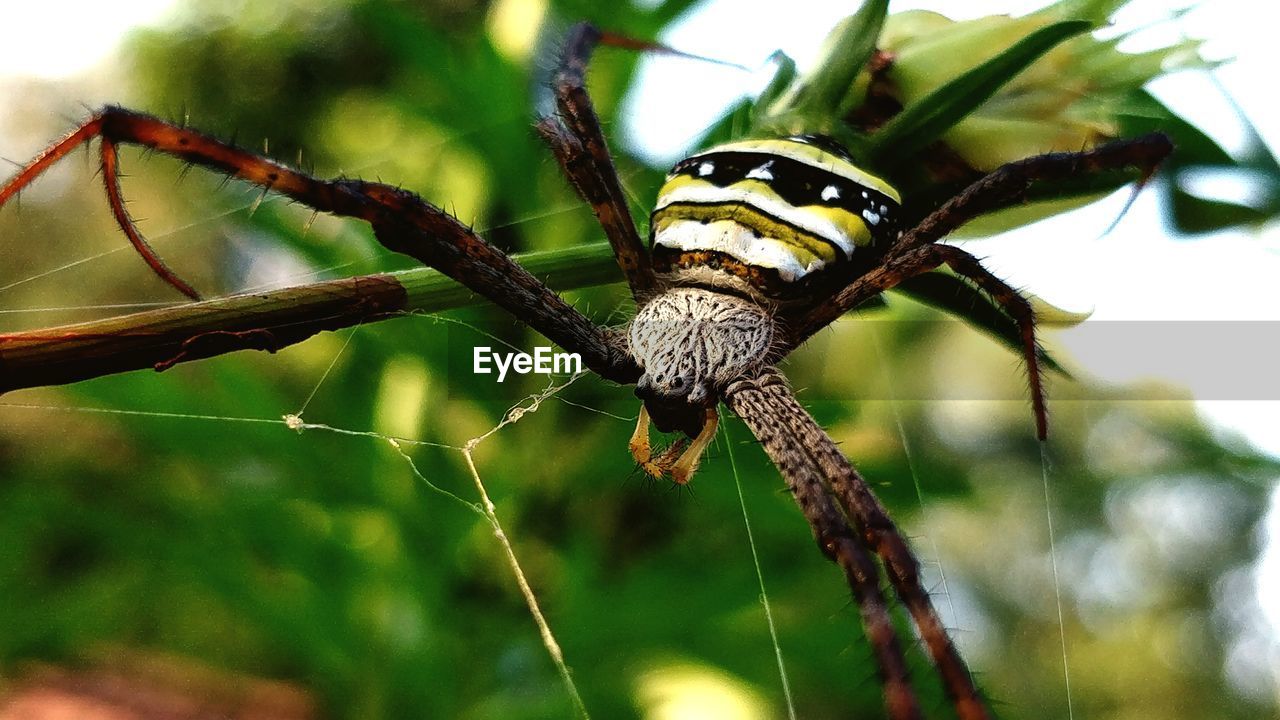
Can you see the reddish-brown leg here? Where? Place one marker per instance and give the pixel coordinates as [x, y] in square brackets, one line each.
[790, 437]
[111, 179]
[575, 138]
[809, 459]
[1003, 187]
[401, 220]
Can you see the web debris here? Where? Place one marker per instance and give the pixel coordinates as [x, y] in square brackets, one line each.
[485, 508]
[295, 421]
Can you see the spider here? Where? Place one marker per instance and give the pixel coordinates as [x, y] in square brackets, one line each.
[754, 246]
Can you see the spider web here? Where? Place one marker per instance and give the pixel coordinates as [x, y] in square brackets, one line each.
[483, 506]
[935, 564]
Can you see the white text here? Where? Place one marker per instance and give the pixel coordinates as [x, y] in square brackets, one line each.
[543, 362]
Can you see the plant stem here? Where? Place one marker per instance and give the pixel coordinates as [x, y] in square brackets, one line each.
[268, 321]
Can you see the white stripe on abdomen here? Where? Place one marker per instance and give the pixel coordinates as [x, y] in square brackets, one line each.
[789, 214]
[740, 243]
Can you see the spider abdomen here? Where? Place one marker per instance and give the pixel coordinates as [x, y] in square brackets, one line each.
[691, 342]
[770, 213]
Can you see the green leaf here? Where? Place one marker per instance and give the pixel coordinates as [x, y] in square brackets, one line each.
[782, 79]
[1096, 10]
[811, 103]
[844, 53]
[1196, 215]
[923, 122]
[956, 297]
[1195, 152]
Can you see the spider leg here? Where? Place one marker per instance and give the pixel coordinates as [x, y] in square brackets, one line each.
[111, 179]
[807, 456]
[903, 570]
[578, 143]
[999, 189]
[402, 222]
[1006, 184]
[792, 439]
[919, 260]
[1018, 308]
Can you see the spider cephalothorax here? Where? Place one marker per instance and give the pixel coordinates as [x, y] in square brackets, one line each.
[690, 342]
[739, 233]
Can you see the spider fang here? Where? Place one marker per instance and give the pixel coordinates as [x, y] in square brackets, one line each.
[680, 459]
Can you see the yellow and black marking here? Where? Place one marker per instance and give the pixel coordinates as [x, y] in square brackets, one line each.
[804, 244]
[792, 208]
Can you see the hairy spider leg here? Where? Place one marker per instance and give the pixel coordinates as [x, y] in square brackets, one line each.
[792, 440]
[866, 511]
[1019, 308]
[884, 537]
[111, 181]
[999, 189]
[929, 257]
[579, 145]
[1005, 185]
[915, 253]
[401, 220]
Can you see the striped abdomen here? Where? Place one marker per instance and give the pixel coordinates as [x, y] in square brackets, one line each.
[770, 212]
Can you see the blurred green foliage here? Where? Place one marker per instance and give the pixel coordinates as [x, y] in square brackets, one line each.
[202, 526]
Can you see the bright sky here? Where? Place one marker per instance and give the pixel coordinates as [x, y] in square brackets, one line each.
[62, 38]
